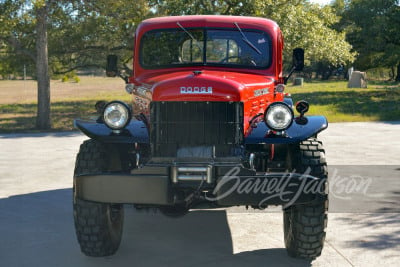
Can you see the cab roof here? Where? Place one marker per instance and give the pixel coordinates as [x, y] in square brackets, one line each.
[208, 21]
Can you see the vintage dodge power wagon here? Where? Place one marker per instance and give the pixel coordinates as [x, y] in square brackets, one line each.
[210, 126]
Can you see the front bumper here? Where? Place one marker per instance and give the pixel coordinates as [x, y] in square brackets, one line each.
[220, 185]
[143, 186]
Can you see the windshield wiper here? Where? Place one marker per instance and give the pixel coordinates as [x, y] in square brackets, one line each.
[190, 35]
[247, 41]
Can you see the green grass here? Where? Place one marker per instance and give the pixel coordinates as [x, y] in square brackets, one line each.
[18, 105]
[22, 117]
[379, 102]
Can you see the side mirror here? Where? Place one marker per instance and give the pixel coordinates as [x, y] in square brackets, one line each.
[298, 59]
[298, 63]
[112, 68]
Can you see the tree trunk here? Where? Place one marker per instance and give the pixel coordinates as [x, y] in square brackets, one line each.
[392, 73]
[43, 121]
[398, 73]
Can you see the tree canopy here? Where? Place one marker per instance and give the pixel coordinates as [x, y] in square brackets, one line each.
[309, 26]
[303, 24]
[372, 27]
[57, 37]
[81, 33]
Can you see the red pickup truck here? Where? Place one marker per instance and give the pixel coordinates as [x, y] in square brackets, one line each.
[210, 126]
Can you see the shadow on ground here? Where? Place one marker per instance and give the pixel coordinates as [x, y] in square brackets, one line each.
[37, 230]
[384, 233]
[383, 223]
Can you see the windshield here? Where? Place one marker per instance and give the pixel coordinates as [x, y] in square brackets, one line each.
[199, 46]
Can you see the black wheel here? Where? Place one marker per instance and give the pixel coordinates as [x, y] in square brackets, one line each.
[98, 226]
[304, 224]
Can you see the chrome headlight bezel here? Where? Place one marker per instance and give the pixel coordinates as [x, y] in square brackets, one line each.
[271, 120]
[125, 115]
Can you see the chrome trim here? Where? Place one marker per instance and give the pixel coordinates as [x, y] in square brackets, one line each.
[187, 173]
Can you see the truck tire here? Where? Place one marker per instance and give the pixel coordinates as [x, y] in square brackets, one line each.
[98, 226]
[304, 224]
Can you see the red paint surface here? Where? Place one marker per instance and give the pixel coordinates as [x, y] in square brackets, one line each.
[228, 84]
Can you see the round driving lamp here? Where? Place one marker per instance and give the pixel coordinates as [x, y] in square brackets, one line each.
[117, 115]
[278, 116]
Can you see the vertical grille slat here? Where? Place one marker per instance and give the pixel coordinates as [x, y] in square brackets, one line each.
[182, 124]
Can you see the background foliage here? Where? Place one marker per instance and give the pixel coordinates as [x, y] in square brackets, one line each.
[363, 33]
[80, 33]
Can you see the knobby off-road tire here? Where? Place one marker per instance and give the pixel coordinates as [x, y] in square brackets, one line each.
[98, 226]
[304, 224]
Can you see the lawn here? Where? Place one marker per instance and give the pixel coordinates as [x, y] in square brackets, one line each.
[69, 100]
[379, 102]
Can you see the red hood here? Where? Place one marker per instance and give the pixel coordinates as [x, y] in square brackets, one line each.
[207, 85]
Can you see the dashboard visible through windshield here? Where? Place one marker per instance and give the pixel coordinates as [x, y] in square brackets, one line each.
[180, 47]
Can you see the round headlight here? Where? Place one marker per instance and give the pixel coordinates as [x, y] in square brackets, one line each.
[278, 116]
[116, 115]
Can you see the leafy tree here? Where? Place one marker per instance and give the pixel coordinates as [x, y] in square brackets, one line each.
[61, 36]
[203, 7]
[25, 33]
[16, 37]
[94, 29]
[311, 27]
[373, 29]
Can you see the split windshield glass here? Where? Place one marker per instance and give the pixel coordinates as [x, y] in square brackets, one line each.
[180, 47]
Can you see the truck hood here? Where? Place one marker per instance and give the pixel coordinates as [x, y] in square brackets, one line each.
[208, 85]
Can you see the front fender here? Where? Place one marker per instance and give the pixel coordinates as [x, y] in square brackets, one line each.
[294, 134]
[135, 132]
